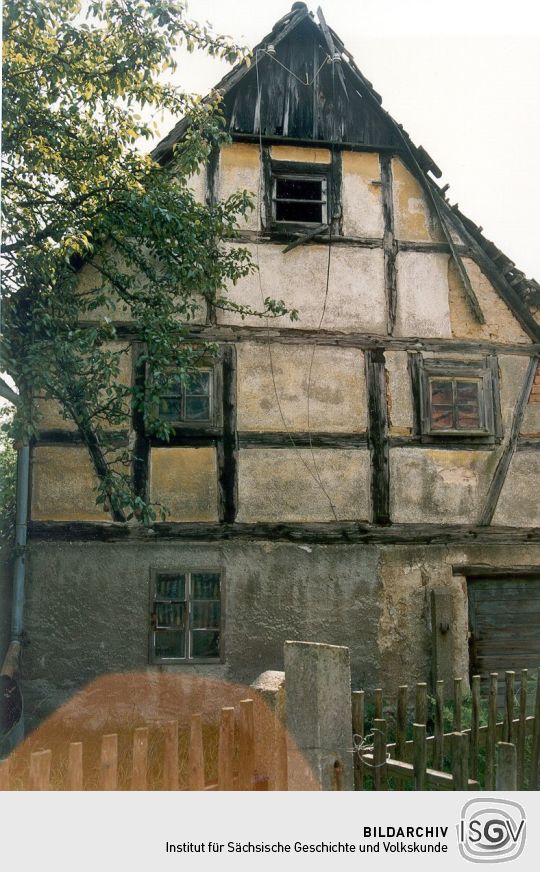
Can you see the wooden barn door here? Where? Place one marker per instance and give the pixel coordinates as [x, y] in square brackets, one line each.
[504, 621]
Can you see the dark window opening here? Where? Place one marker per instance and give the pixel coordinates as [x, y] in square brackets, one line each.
[300, 199]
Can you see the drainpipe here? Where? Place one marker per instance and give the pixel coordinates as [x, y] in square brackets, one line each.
[10, 666]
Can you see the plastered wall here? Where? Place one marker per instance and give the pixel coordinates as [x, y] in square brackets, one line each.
[355, 301]
[303, 485]
[185, 481]
[300, 388]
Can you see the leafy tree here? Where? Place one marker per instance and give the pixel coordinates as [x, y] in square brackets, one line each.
[8, 479]
[97, 231]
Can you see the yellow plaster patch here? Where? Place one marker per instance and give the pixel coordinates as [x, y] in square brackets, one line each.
[63, 485]
[239, 170]
[501, 325]
[240, 154]
[297, 153]
[413, 219]
[184, 480]
[362, 196]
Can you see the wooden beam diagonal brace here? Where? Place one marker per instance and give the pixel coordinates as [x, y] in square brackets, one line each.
[500, 474]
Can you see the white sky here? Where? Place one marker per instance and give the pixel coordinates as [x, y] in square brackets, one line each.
[463, 77]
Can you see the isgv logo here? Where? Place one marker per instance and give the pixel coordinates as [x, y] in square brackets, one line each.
[491, 830]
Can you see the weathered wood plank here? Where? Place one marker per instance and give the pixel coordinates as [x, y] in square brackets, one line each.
[5, 780]
[379, 754]
[439, 725]
[501, 471]
[40, 770]
[246, 774]
[460, 760]
[226, 749]
[419, 534]
[389, 241]
[358, 707]
[491, 731]
[74, 775]
[534, 776]
[378, 436]
[419, 756]
[475, 726]
[108, 768]
[170, 756]
[506, 766]
[196, 754]
[139, 766]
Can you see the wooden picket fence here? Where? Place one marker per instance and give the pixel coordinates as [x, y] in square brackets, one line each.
[236, 764]
[498, 754]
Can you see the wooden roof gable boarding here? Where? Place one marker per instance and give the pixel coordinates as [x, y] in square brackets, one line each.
[301, 83]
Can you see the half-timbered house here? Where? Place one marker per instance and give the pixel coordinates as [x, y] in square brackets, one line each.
[325, 474]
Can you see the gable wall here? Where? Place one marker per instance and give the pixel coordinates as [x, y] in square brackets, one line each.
[302, 387]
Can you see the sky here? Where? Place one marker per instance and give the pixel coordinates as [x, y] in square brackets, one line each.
[462, 77]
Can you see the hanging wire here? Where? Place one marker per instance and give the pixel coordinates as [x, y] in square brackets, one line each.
[325, 302]
[269, 54]
[365, 743]
[315, 474]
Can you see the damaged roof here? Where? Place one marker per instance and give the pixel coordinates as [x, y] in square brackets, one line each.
[301, 83]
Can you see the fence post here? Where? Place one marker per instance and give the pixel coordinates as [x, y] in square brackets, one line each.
[521, 738]
[475, 726]
[226, 749]
[358, 702]
[378, 700]
[506, 766]
[196, 754]
[246, 774]
[140, 759]
[439, 725]
[379, 754]
[40, 770]
[108, 771]
[442, 618]
[271, 744]
[458, 700]
[460, 755]
[319, 715]
[508, 731]
[4, 774]
[535, 756]
[170, 759]
[74, 780]
[419, 756]
[491, 737]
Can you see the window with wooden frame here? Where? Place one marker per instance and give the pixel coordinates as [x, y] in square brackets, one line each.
[191, 400]
[188, 400]
[185, 619]
[458, 399]
[297, 195]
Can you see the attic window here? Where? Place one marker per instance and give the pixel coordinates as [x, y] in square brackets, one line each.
[300, 199]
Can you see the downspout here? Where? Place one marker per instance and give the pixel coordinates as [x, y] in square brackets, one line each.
[11, 664]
